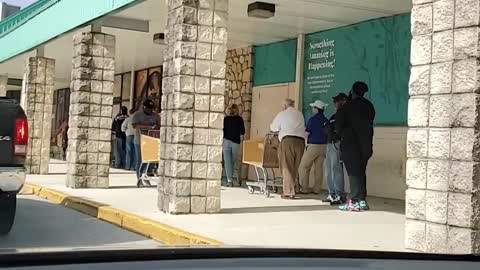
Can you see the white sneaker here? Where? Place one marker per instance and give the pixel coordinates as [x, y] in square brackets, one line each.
[329, 199]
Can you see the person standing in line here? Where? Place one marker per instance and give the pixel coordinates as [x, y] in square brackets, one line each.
[314, 155]
[333, 164]
[145, 119]
[290, 126]
[129, 143]
[233, 130]
[120, 137]
[354, 124]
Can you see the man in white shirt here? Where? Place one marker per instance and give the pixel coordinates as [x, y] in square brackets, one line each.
[290, 126]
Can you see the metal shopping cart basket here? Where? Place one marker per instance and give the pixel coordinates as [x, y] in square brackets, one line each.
[262, 155]
[150, 153]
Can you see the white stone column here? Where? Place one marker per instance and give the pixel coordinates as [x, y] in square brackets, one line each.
[91, 101]
[239, 88]
[3, 85]
[443, 148]
[193, 107]
[37, 100]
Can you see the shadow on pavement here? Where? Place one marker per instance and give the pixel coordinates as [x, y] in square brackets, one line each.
[132, 187]
[273, 209]
[40, 224]
[375, 207]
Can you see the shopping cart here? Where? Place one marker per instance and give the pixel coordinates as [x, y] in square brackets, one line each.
[150, 154]
[262, 155]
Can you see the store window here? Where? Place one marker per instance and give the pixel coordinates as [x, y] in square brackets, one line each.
[121, 92]
[148, 84]
[61, 106]
[14, 94]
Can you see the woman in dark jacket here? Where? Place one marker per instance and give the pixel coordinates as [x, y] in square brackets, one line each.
[233, 130]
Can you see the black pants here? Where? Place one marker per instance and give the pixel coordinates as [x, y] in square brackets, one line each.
[356, 169]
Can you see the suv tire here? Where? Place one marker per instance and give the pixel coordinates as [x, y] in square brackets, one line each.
[8, 204]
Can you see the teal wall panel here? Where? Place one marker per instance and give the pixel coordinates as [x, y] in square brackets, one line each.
[59, 18]
[376, 51]
[275, 63]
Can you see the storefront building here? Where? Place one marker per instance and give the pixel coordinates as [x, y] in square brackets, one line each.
[420, 62]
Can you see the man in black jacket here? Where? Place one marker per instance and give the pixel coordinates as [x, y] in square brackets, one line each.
[119, 151]
[354, 124]
[333, 164]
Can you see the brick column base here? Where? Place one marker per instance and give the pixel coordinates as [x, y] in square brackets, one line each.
[3, 85]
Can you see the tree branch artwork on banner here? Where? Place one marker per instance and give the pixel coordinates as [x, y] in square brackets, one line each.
[376, 52]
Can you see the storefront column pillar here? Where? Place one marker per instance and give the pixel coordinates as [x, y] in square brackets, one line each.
[90, 118]
[238, 91]
[3, 85]
[443, 141]
[37, 101]
[193, 107]
[299, 72]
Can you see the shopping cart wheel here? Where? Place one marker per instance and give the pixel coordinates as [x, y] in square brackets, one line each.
[266, 193]
[250, 189]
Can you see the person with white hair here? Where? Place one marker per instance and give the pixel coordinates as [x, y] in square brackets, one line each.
[315, 151]
[290, 125]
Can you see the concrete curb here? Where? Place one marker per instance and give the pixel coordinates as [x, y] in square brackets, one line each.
[146, 227]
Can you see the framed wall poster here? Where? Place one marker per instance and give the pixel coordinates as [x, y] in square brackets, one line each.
[141, 77]
[148, 84]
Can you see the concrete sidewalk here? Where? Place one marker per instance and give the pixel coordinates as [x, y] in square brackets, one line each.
[253, 220]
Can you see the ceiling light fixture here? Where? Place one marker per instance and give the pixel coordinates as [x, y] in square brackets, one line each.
[159, 38]
[261, 10]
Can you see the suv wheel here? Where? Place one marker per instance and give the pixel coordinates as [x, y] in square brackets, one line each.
[8, 203]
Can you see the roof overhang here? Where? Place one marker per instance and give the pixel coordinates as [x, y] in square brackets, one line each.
[51, 24]
[48, 19]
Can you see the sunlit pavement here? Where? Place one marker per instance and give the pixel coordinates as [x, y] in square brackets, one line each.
[43, 226]
[253, 220]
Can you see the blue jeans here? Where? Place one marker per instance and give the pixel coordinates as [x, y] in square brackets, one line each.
[230, 156]
[130, 163]
[138, 159]
[119, 152]
[335, 178]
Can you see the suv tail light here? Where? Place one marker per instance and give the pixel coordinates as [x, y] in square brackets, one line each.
[21, 137]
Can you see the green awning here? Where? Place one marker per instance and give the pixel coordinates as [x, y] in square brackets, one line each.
[47, 19]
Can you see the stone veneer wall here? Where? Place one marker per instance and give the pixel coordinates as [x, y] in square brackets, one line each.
[193, 107]
[3, 85]
[443, 140]
[239, 84]
[91, 101]
[37, 101]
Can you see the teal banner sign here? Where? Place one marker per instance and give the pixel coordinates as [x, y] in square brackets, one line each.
[275, 63]
[376, 52]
